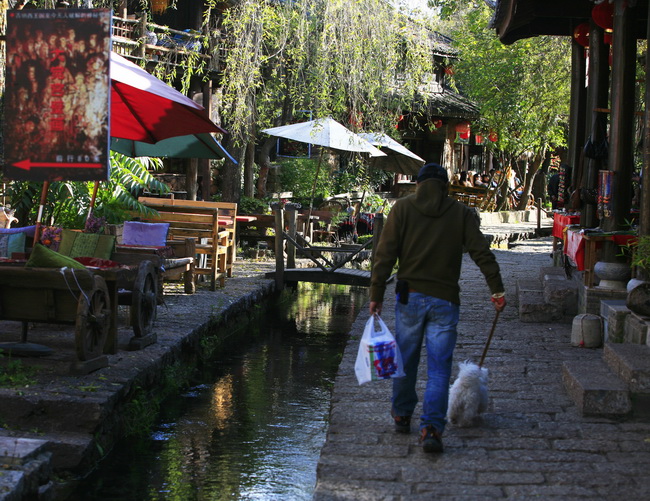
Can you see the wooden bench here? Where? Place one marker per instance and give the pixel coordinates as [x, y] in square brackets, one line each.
[481, 198]
[213, 224]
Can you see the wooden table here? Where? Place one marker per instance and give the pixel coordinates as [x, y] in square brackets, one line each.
[560, 222]
[583, 249]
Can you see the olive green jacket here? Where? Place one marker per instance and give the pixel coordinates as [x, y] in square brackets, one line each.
[426, 233]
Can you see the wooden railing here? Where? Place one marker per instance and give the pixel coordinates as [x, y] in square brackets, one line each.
[137, 39]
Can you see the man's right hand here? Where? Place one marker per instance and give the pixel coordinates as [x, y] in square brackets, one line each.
[375, 307]
[499, 301]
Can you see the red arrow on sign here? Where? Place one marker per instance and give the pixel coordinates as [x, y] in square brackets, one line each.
[28, 165]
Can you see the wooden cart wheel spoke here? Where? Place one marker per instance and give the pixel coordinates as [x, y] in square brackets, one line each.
[144, 306]
[93, 321]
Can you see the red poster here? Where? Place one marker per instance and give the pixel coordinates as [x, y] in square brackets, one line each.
[57, 95]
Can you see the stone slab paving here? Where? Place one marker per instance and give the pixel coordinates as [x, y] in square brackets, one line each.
[532, 443]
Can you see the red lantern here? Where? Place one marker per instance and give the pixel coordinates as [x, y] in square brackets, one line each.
[581, 34]
[478, 139]
[463, 128]
[603, 15]
[463, 135]
[493, 136]
[437, 123]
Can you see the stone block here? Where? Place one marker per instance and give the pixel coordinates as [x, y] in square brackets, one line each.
[636, 329]
[533, 308]
[595, 389]
[18, 451]
[589, 298]
[614, 312]
[529, 286]
[631, 363]
[561, 293]
[549, 272]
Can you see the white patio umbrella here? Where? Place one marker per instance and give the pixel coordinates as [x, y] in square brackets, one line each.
[325, 132]
[328, 133]
[398, 158]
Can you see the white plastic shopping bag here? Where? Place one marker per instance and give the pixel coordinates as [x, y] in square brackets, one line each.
[379, 356]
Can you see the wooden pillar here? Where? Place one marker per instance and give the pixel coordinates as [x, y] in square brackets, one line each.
[204, 163]
[621, 158]
[577, 111]
[597, 99]
[279, 246]
[644, 210]
[291, 213]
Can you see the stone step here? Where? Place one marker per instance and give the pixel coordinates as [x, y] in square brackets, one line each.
[561, 293]
[631, 363]
[546, 272]
[532, 306]
[54, 412]
[595, 389]
[67, 450]
[614, 312]
[636, 329]
[16, 451]
[26, 469]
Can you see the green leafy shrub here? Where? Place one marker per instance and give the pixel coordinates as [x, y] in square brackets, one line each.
[641, 253]
[249, 205]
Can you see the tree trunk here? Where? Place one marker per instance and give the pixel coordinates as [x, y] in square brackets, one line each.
[264, 162]
[249, 170]
[528, 185]
[539, 184]
[191, 178]
[231, 175]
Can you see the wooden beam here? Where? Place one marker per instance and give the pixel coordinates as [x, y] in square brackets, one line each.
[621, 157]
[598, 97]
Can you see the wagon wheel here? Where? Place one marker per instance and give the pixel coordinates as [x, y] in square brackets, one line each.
[93, 321]
[144, 300]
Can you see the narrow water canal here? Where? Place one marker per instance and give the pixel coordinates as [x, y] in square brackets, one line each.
[253, 427]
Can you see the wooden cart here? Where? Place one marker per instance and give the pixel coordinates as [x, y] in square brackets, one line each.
[86, 298]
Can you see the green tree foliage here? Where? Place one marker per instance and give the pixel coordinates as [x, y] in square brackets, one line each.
[522, 90]
[334, 58]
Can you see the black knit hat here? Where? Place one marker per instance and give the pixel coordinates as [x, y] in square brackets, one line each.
[433, 171]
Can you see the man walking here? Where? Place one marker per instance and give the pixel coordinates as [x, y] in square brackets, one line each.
[426, 233]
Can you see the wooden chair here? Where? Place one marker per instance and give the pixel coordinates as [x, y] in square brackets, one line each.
[217, 251]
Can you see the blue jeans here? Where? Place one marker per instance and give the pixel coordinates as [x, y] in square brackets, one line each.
[435, 320]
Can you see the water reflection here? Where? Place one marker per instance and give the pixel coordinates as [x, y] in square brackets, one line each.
[253, 429]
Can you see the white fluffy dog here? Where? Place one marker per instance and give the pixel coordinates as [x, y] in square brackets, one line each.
[468, 396]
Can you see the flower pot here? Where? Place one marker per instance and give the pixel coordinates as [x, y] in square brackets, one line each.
[612, 275]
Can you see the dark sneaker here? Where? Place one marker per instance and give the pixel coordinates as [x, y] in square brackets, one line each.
[402, 423]
[430, 439]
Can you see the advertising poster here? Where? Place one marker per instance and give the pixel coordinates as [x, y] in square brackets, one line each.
[57, 95]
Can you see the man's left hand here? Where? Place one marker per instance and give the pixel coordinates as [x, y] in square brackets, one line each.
[375, 307]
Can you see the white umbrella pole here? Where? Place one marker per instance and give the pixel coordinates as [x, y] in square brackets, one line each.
[313, 188]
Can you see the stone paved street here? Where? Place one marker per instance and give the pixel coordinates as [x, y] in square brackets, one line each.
[532, 443]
